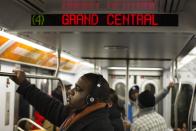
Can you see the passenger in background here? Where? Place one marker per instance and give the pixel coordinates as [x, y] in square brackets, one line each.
[148, 119]
[57, 92]
[87, 108]
[183, 128]
[39, 119]
[133, 109]
[116, 113]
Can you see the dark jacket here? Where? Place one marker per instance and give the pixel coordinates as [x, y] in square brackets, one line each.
[115, 118]
[96, 121]
[56, 112]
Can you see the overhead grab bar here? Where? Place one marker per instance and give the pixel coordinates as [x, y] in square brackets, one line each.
[31, 76]
[30, 121]
[41, 77]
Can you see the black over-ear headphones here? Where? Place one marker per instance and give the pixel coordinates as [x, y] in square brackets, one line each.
[96, 86]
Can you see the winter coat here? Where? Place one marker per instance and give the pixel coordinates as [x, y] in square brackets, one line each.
[56, 112]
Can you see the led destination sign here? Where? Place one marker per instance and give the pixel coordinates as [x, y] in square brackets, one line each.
[104, 20]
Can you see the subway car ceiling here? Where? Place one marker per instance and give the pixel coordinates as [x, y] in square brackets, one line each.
[108, 46]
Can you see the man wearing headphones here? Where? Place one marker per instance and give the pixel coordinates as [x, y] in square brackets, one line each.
[87, 108]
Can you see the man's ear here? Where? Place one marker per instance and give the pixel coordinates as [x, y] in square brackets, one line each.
[109, 104]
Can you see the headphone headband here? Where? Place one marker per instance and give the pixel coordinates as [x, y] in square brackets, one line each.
[92, 97]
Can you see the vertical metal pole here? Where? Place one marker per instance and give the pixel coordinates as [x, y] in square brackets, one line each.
[58, 62]
[176, 71]
[58, 67]
[58, 55]
[176, 106]
[95, 67]
[172, 72]
[127, 87]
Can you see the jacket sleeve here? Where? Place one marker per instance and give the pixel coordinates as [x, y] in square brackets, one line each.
[49, 107]
[161, 95]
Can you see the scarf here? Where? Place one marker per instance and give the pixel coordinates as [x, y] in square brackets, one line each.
[75, 117]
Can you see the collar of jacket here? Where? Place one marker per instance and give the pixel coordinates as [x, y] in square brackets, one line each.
[146, 111]
[75, 117]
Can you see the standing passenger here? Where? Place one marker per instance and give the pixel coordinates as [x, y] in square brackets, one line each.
[86, 110]
[148, 119]
[57, 92]
[133, 109]
[116, 112]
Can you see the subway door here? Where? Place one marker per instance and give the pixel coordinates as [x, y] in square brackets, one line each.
[119, 86]
[7, 93]
[150, 83]
[118, 83]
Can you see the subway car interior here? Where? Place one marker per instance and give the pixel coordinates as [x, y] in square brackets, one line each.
[148, 43]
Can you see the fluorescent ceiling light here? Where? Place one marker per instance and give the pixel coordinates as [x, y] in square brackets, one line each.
[23, 41]
[70, 57]
[40, 47]
[87, 64]
[135, 68]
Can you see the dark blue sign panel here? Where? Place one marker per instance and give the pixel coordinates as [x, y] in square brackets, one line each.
[104, 20]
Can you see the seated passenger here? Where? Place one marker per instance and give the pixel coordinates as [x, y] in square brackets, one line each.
[133, 108]
[148, 119]
[86, 110]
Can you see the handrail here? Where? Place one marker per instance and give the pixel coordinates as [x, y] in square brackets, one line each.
[41, 77]
[18, 128]
[31, 76]
[30, 121]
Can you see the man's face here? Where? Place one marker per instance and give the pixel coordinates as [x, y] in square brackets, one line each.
[77, 96]
[134, 96]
